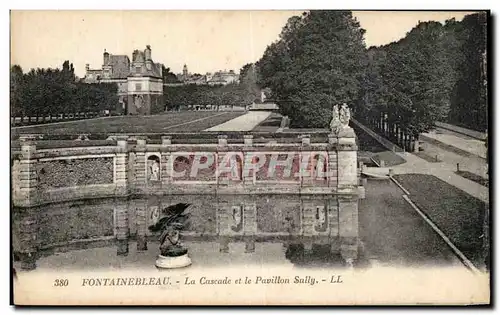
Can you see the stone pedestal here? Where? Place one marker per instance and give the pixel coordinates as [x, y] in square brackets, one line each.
[121, 165]
[165, 262]
[27, 177]
[166, 162]
[173, 256]
[306, 140]
[222, 140]
[248, 140]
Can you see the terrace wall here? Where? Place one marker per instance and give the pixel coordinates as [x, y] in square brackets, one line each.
[120, 167]
[124, 166]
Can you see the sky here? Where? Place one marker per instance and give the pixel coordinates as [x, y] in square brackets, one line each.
[206, 41]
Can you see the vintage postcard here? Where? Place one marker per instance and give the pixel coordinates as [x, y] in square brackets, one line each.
[317, 157]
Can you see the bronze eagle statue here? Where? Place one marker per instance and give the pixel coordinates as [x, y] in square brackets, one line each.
[173, 220]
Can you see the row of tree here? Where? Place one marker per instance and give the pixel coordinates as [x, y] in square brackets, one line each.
[435, 73]
[54, 92]
[243, 93]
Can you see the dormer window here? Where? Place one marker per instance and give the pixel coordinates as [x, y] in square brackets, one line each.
[138, 69]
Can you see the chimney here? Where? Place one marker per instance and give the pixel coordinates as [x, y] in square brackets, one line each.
[106, 57]
[87, 67]
[147, 53]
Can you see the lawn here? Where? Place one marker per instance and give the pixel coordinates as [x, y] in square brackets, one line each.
[459, 215]
[191, 121]
[389, 158]
[474, 177]
[428, 157]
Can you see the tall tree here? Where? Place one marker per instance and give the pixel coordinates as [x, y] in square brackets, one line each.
[469, 104]
[47, 92]
[169, 76]
[317, 62]
[16, 90]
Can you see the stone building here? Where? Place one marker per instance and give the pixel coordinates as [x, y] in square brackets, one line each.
[218, 78]
[140, 81]
[223, 78]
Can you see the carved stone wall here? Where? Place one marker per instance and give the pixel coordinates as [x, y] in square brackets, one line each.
[74, 172]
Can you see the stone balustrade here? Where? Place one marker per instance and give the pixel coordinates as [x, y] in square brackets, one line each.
[229, 165]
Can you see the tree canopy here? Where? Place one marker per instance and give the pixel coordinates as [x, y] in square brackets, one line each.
[47, 92]
[437, 72]
[317, 62]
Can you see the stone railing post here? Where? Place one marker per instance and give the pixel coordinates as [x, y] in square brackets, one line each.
[332, 161]
[347, 159]
[221, 155]
[27, 177]
[166, 140]
[165, 163]
[248, 177]
[248, 140]
[222, 140]
[121, 165]
[348, 183]
[306, 139]
[140, 162]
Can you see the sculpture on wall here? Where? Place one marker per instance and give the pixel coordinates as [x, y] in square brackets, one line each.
[340, 118]
[345, 115]
[153, 168]
[335, 122]
[138, 101]
[235, 166]
[155, 171]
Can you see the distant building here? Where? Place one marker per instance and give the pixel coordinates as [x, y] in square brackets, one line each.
[224, 77]
[140, 81]
[217, 78]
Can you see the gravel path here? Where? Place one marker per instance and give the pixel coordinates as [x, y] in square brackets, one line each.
[245, 122]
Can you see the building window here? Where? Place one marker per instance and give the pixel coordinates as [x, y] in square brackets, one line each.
[137, 69]
[137, 86]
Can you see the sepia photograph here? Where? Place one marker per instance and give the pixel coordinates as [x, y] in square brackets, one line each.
[250, 157]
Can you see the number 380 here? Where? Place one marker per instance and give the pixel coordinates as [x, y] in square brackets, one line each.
[61, 282]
